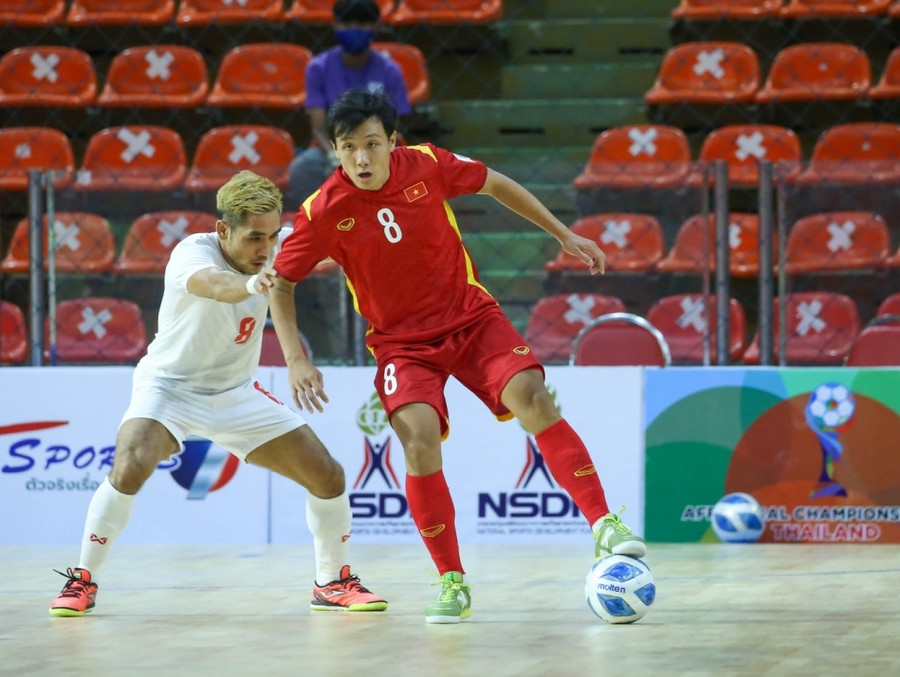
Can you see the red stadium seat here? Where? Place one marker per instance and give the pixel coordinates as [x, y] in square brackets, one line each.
[58, 77]
[222, 151]
[890, 306]
[888, 86]
[705, 10]
[13, 334]
[743, 147]
[265, 75]
[322, 11]
[120, 12]
[834, 241]
[152, 237]
[445, 12]
[133, 157]
[707, 73]
[631, 242]
[620, 339]
[876, 346]
[156, 76]
[98, 330]
[894, 10]
[821, 329]
[83, 244]
[638, 156]
[834, 9]
[205, 12]
[32, 13]
[556, 320]
[23, 149]
[684, 321]
[817, 71]
[271, 354]
[856, 153]
[693, 243]
[412, 64]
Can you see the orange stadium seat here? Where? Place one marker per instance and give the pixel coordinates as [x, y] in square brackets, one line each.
[821, 329]
[98, 330]
[133, 157]
[706, 73]
[13, 334]
[152, 237]
[834, 9]
[631, 242]
[120, 12]
[894, 10]
[556, 320]
[816, 71]
[620, 339]
[876, 346]
[59, 77]
[693, 241]
[836, 241]
[222, 151]
[322, 11]
[83, 244]
[726, 9]
[445, 12]
[204, 12]
[265, 75]
[857, 153]
[638, 156]
[32, 13]
[156, 76]
[888, 86]
[743, 147]
[413, 66]
[23, 149]
[684, 320]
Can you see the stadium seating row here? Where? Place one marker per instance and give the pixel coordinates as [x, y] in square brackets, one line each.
[716, 72]
[823, 329]
[659, 155]
[792, 9]
[36, 13]
[264, 75]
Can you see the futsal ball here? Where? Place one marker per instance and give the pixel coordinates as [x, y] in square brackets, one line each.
[738, 518]
[619, 589]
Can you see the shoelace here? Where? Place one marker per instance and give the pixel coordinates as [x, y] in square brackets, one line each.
[353, 582]
[617, 522]
[450, 590]
[75, 587]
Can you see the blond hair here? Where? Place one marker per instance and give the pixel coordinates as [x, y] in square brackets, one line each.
[247, 193]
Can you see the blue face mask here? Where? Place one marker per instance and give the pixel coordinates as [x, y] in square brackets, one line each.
[355, 41]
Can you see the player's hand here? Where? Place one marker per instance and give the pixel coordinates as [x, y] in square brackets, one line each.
[307, 386]
[586, 250]
[265, 280]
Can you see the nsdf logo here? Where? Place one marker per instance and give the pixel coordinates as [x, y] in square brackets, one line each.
[202, 467]
[389, 504]
[528, 504]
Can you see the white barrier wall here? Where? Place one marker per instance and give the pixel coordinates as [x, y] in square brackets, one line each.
[57, 437]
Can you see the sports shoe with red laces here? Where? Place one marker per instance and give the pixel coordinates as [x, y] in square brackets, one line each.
[345, 594]
[77, 596]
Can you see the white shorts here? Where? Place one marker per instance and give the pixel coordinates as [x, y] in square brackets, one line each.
[239, 420]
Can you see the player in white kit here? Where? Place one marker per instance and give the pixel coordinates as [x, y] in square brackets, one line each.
[198, 379]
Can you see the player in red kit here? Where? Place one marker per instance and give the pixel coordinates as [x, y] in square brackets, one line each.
[383, 216]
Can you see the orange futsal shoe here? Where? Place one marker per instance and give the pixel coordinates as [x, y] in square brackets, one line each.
[77, 596]
[345, 594]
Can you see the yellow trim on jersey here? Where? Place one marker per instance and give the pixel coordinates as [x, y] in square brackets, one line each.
[307, 203]
[470, 269]
[424, 149]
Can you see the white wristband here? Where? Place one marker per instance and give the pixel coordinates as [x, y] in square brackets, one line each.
[251, 285]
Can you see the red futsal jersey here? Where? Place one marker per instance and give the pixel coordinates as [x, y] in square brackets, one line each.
[400, 246]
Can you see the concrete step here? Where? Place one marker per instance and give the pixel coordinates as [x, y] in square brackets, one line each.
[587, 9]
[578, 80]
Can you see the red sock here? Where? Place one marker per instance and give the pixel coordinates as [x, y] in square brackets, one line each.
[432, 510]
[569, 462]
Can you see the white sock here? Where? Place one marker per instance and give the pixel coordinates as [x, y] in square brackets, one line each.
[329, 521]
[107, 516]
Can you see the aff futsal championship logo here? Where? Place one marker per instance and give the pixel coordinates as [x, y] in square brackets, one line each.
[377, 499]
[828, 413]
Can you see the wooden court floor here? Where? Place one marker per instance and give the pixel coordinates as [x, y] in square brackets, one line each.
[792, 610]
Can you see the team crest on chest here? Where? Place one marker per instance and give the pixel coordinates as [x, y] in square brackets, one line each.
[346, 224]
[416, 191]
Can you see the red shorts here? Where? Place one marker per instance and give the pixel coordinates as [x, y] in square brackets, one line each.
[483, 357]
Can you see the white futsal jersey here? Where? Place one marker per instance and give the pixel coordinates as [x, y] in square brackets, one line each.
[205, 345]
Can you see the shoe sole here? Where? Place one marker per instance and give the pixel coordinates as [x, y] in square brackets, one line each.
[629, 549]
[372, 606]
[69, 613]
[446, 620]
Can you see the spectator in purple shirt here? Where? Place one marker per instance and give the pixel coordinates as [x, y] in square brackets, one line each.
[352, 64]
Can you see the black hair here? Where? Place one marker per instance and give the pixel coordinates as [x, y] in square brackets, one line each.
[356, 12]
[352, 108]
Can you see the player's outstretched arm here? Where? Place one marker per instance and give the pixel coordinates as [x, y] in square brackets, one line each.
[305, 380]
[228, 287]
[519, 199]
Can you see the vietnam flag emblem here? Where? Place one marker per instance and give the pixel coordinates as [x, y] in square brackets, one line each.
[416, 191]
